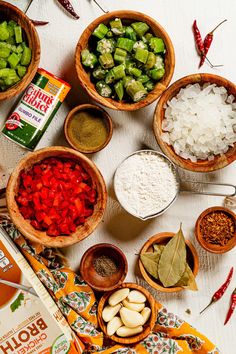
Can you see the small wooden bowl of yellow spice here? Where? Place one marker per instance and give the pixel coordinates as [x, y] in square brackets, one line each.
[88, 128]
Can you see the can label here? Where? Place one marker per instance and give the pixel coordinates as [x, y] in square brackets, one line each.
[36, 109]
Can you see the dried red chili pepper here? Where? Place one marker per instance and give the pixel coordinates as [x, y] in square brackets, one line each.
[232, 306]
[198, 39]
[39, 23]
[220, 292]
[66, 4]
[207, 43]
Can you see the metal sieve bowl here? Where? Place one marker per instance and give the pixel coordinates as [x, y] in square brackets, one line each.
[178, 183]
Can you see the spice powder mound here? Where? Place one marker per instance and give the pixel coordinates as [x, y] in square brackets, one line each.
[105, 266]
[217, 228]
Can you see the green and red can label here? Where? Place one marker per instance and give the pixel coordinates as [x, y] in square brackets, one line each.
[36, 109]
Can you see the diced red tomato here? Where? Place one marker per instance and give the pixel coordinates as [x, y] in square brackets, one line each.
[56, 195]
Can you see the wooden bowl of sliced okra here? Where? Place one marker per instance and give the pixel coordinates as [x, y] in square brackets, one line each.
[124, 60]
[19, 51]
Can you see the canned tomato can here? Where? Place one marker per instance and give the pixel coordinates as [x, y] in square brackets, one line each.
[36, 109]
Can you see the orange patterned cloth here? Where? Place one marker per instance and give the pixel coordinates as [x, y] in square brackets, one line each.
[76, 300]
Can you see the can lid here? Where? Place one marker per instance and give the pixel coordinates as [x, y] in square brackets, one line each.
[41, 70]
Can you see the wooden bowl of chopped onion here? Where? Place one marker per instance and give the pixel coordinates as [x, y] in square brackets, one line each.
[50, 177]
[194, 126]
[86, 78]
[30, 36]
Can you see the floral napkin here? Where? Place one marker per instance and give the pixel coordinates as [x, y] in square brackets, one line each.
[77, 301]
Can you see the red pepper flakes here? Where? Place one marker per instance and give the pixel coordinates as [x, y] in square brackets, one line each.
[56, 195]
[217, 228]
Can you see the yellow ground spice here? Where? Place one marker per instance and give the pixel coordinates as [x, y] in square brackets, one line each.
[88, 129]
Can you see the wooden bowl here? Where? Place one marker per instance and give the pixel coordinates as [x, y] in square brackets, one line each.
[24, 225]
[89, 273]
[219, 161]
[10, 12]
[211, 247]
[148, 327]
[162, 238]
[126, 16]
[89, 107]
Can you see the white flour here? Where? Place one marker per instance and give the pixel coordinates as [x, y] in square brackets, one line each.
[145, 184]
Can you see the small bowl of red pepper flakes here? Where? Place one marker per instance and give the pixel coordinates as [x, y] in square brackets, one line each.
[215, 229]
[56, 196]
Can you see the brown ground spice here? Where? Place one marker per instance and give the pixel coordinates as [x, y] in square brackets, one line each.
[217, 228]
[105, 266]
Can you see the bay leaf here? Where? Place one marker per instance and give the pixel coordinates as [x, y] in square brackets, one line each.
[150, 262]
[157, 247]
[187, 280]
[172, 261]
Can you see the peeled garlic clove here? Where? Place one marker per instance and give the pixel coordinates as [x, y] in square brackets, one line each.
[118, 296]
[109, 312]
[127, 332]
[133, 306]
[131, 318]
[136, 296]
[113, 325]
[146, 313]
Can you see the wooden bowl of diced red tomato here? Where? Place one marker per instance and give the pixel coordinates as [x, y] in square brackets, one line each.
[56, 196]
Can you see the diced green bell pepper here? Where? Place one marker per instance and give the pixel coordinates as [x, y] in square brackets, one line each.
[18, 34]
[26, 56]
[13, 60]
[21, 70]
[3, 63]
[4, 52]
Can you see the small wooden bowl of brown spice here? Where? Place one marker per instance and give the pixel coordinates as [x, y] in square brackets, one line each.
[104, 267]
[215, 229]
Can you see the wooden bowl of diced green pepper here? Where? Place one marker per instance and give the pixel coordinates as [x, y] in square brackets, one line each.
[124, 60]
[19, 51]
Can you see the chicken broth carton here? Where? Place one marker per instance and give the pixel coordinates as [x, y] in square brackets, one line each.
[30, 321]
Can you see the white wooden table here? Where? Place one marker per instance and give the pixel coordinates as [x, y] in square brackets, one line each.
[133, 131]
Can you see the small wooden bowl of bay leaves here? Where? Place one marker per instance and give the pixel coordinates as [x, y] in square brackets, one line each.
[150, 256]
[104, 267]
